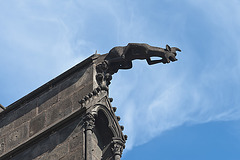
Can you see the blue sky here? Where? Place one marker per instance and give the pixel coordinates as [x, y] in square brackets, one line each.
[184, 110]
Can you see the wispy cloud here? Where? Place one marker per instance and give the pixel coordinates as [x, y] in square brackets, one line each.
[202, 87]
[37, 43]
[41, 39]
[52, 36]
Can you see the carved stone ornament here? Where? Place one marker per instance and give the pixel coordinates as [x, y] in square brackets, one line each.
[89, 121]
[90, 96]
[117, 147]
[103, 77]
[121, 58]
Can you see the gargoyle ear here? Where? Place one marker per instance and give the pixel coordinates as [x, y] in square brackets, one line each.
[168, 47]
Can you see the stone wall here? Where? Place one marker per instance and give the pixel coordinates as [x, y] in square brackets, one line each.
[69, 117]
[66, 143]
[31, 119]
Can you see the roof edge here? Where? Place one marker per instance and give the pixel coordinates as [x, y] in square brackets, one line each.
[47, 85]
[1, 106]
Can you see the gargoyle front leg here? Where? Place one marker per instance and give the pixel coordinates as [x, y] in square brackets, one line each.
[150, 62]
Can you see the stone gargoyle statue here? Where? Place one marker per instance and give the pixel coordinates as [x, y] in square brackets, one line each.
[122, 56]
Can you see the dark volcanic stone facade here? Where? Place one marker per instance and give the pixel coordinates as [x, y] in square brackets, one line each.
[68, 118]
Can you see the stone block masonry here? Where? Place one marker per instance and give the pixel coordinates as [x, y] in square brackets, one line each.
[67, 118]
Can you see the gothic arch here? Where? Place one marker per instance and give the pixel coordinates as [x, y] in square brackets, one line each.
[101, 112]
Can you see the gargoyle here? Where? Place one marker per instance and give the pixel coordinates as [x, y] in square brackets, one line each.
[121, 57]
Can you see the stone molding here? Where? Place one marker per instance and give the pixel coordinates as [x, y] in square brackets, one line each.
[89, 121]
[87, 98]
[117, 147]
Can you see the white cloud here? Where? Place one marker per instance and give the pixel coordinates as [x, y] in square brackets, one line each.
[36, 44]
[202, 86]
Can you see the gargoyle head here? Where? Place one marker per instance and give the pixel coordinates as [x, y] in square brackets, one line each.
[170, 54]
